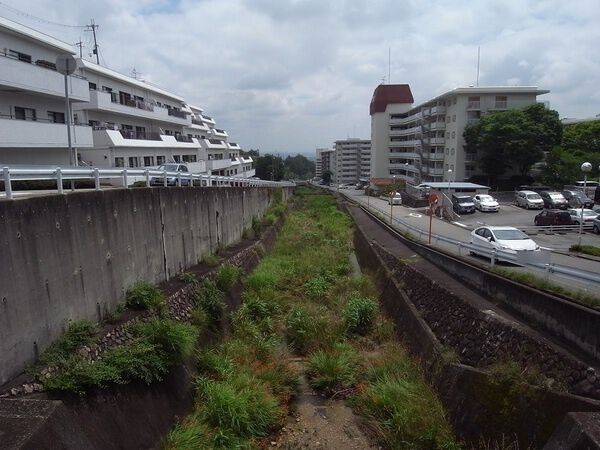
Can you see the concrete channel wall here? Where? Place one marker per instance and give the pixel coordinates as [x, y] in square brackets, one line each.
[479, 406]
[73, 257]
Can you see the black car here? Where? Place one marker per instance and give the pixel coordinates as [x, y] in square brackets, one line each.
[462, 204]
[577, 198]
[554, 200]
[552, 217]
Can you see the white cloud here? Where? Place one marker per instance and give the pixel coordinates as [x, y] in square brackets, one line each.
[291, 75]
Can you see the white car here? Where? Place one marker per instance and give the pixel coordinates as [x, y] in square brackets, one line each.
[395, 199]
[484, 202]
[504, 239]
[588, 216]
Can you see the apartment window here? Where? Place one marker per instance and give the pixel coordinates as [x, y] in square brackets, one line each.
[56, 117]
[106, 89]
[92, 86]
[453, 134]
[189, 158]
[134, 161]
[501, 101]
[447, 135]
[473, 103]
[126, 127]
[454, 100]
[24, 113]
[454, 118]
[20, 56]
[148, 161]
[452, 152]
[176, 158]
[448, 119]
[93, 123]
[160, 160]
[451, 166]
[119, 161]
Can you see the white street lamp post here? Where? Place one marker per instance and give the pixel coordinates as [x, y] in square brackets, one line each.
[586, 167]
[449, 178]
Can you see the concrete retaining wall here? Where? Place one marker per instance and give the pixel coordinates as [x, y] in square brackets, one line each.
[479, 406]
[73, 257]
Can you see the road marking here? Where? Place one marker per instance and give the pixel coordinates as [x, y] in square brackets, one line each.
[461, 224]
[414, 215]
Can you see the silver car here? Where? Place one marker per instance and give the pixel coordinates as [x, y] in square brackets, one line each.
[529, 200]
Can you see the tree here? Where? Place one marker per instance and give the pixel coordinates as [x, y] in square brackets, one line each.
[326, 175]
[513, 139]
[299, 167]
[583, 137]
[269, 167]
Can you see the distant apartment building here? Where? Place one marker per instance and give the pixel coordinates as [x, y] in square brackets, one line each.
[425, 142]
[318, 163]
[352, 161]
[117, 120]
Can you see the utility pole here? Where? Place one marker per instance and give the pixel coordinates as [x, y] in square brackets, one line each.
[80, 45]
[92, 27]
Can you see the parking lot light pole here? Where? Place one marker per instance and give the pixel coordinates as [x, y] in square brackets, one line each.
[586, 167]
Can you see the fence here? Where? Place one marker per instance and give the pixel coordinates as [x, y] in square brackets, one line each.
[150, 176]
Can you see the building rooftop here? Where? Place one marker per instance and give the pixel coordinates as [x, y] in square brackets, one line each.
[34, 35]
[440, 185]
[386, 94]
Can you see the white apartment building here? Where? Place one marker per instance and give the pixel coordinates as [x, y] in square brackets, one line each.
[425, 142]
[318, 162]
[118, 121]
[352, 161]
[32, 98]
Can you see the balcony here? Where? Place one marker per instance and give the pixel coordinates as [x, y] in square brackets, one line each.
[438, 110]
[199, 125]
[437, 126]
[104, 101]
[41, 134]
[177, 113]
[104, 137]
[208, 119]
[436, 141]
[21, 76]
[474, 105]
[406, 131]
[410, 143]
[218, 164]
[435, 171]
[213, 144]
[501, 104]
[436, 156]
[404, 120]
[247, 160]
[234, 146]
[219, 134]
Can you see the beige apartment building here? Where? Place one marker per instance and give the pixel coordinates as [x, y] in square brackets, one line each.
[425, 142]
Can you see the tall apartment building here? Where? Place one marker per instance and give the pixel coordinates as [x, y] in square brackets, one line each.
[318, 162]
[425, 142]
[352, 161]
[117, 120]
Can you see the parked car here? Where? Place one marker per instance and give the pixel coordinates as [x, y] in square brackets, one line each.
[395, 198]
[576, 215]
[505, 239]
[529, 200]
[554, 200]
[462, 204]
[552, 217]
[171, 181]
[484, 202]
[596, 225]
[577, 198]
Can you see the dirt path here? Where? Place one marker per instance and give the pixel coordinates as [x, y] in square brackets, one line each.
[321, 423]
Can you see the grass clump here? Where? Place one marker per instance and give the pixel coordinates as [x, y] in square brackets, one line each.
[210, 260]
[317, 287]
[78, 333]
[143, 295]
[210, 300]
[397, 400]
[307, 330]
[172, 339]
[334, 370]
[227, 276]
[187, 277]
[586, 249]
[360, 314]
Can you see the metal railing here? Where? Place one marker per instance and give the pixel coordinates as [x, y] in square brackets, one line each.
[125, 175]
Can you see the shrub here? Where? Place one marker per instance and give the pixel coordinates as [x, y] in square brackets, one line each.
[227, 276]
[241, 405]
[300, 328]
[137, 361]
[316, 287]
[210, 299]
[143, 295]
[360, 314]
[78, 333]
[175, 340]
[187, 277]
[333, 370]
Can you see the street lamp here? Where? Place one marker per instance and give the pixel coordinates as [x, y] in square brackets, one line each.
[449, 177]
[392, 199]
[586, 167]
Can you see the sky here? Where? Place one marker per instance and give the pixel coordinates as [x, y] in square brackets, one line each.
[289, 76]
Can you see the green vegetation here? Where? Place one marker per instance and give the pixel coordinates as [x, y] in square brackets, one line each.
[303, 298]
[187, 277]
[227, 275]
[143, 295]
[157, 346]
[360, 314]
[586, 249]
[78, 333]
[210, 259]
[543, 285]
[210, 304]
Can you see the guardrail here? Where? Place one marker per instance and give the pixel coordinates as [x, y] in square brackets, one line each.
[151, 177]
[536, 260]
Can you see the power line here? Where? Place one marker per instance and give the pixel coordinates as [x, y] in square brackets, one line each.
[32, 17]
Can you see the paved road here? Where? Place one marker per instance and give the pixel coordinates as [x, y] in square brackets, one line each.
[510, 215]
